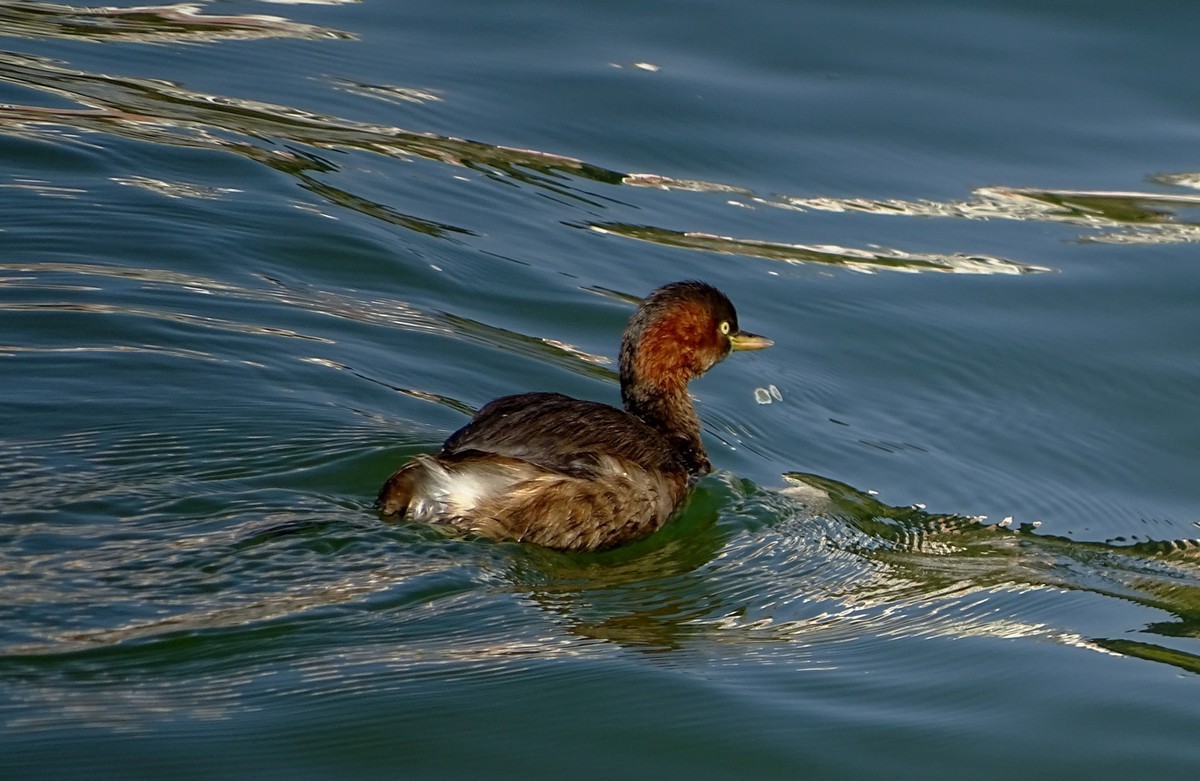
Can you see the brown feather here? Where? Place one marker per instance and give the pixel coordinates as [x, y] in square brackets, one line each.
[580, 475]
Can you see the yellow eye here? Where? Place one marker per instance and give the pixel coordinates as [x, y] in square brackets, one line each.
[725, 327]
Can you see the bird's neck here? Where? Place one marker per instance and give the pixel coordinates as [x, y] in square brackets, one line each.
[668, 409]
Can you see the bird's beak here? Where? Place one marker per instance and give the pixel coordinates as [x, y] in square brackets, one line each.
[744, 341]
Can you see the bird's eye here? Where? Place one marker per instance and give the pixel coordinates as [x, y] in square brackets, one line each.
[725, 327]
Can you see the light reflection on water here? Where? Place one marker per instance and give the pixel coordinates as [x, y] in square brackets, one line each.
[183, 22]
[171, 114]
[784, 576]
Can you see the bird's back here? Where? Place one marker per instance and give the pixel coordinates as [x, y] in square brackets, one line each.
[548, 469]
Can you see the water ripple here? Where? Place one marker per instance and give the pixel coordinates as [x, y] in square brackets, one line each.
[868, 261]
[230, 564]
[168, 113]
[182, 22]
[1130, 217]
[376, 310]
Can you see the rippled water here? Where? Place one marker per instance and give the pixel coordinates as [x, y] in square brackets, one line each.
[254, 255]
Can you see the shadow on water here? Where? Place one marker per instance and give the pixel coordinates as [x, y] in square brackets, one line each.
[645, 595]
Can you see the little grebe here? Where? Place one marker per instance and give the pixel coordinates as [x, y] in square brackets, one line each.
[580, 475]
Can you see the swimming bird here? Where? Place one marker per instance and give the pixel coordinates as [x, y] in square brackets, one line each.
[580, 475]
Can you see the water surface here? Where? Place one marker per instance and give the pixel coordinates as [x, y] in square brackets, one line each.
[255, 255]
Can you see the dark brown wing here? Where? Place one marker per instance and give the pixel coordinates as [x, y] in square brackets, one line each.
[548, 469]
[562, 434]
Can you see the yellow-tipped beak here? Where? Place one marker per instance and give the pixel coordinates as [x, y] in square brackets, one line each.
[744, 341]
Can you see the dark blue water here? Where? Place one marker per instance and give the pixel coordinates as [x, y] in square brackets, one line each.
[255, 255]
